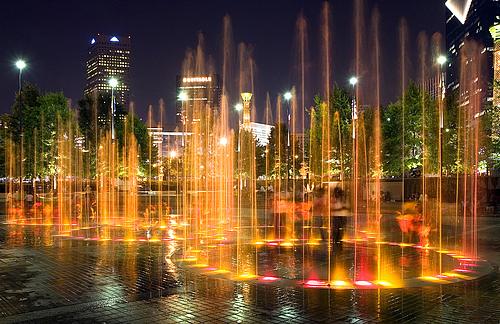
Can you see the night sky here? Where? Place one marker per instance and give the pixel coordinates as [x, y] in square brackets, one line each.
[53, 37]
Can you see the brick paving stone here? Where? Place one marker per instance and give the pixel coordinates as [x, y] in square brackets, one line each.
[86, 282]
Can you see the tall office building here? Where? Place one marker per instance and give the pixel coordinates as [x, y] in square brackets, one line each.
[109, 56]
[470, 20]
[201, 92]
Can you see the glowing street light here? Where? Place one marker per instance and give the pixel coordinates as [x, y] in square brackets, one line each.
[172, 154]
[354, 113]
[183, 96]
[223, 141]
[287, 96]
[20, 64]
[441, 59]
[113, 83]
[238, 106]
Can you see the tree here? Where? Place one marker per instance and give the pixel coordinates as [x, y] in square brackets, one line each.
[493, 115]
[95, 120]
[279, 153]
[330, 137]
[420, 130]
[140, 131]
[34, 126]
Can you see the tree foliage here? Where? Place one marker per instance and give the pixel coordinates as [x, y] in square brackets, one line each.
[34, 125]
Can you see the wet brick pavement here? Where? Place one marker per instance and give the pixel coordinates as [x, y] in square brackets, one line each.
[47, 280]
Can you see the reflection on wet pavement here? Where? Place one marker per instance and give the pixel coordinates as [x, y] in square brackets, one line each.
[53, 279]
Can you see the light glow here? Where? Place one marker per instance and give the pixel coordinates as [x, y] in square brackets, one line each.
[315, 283]
[223, 141]
[441, 59]
[246, 276]
[20, 64]
[287, 96]
[363, 283]
[383, 283]
[182, 96]
[353, 81]
[113, 82]
[340, 283]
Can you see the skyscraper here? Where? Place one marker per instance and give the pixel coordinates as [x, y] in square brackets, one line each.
[109, 56]
[470, 20]
[200, 92]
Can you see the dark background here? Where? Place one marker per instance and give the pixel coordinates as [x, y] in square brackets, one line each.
[53, 36]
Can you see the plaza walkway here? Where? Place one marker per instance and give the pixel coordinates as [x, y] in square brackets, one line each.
[45, 279]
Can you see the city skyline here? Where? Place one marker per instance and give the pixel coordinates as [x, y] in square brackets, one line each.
[260, 161]
[157, 61]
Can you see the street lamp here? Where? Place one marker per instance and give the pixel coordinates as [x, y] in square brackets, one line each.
[238, 106]
[441, 60]
[113, 83]
[20, 65]
[223, 141]
[287, 96]
[353, 81]
[354, 114]
[183, 96]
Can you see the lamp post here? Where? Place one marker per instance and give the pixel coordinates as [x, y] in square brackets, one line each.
[113, 83]
[353, 81]
[239, 107]
[287, 96]
[20, 65]
[441, 60]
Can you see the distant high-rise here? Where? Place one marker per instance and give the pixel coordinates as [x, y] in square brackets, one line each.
[470, 20]
[109, 56]
[196, 91]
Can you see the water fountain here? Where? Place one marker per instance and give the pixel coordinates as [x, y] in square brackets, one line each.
[317, 227]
